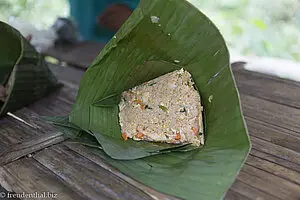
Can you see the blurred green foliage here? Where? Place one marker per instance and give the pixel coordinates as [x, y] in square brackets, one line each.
[250, 27]
[256, 27]
[41, 13]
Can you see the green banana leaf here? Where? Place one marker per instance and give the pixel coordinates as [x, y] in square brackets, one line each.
[159, 37]
[22, 70]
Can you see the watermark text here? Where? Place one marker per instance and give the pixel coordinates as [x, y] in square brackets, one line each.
[24, 195]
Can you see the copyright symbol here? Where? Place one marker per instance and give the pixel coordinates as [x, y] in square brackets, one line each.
[2, 194]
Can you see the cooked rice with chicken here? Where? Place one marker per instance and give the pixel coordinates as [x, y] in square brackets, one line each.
[166, 109]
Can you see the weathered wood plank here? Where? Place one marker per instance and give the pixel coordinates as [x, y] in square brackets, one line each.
[232, 195]
[27, 175]
[272, 113]
[275, 150]
[13, 132]
[251, 192]
[275, 159]
[19, 139]
[7, 126]
[96, 159]
[268, 88]
[269, 183]
[86, 176]
[81, 54]
[24, 148]
[67, 74]
[274, 169]
[58, 103]
[272, 126]
[274, 134]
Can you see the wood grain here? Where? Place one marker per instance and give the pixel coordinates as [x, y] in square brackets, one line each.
[232, 195]
[13, 149]
[275, 150]
[268, 88]
[19, 139]
[96, 159]
[251, 192]
[272, 171]
[24, 148]
[27, 175]
[275, 159]
[272, 113]
[274, 134]
[86, 176]
[67, 74]
[269, 183]
[80, 55]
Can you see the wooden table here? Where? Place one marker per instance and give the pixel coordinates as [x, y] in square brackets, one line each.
[38, 158]
[78, 55]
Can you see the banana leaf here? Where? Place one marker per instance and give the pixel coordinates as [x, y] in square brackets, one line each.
[24, 75]
[159, 37]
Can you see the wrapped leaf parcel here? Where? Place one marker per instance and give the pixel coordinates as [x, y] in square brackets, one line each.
[163, 36]
[24, 75]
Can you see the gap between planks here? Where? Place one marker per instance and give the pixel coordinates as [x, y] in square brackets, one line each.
[263, 135]
[233, 195]
[267, 87]
[270, 132]
[275, 159]
[269, 183]
[83, 151]
[27, 147]
[275, 150]
[68, 165]
[29, 176]
[260, 149]
[44, 136]
[271, 113]
[251, 192]
[275, 169]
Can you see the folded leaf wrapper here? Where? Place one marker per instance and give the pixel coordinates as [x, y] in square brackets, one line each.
[23, 71]
[159, 37]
